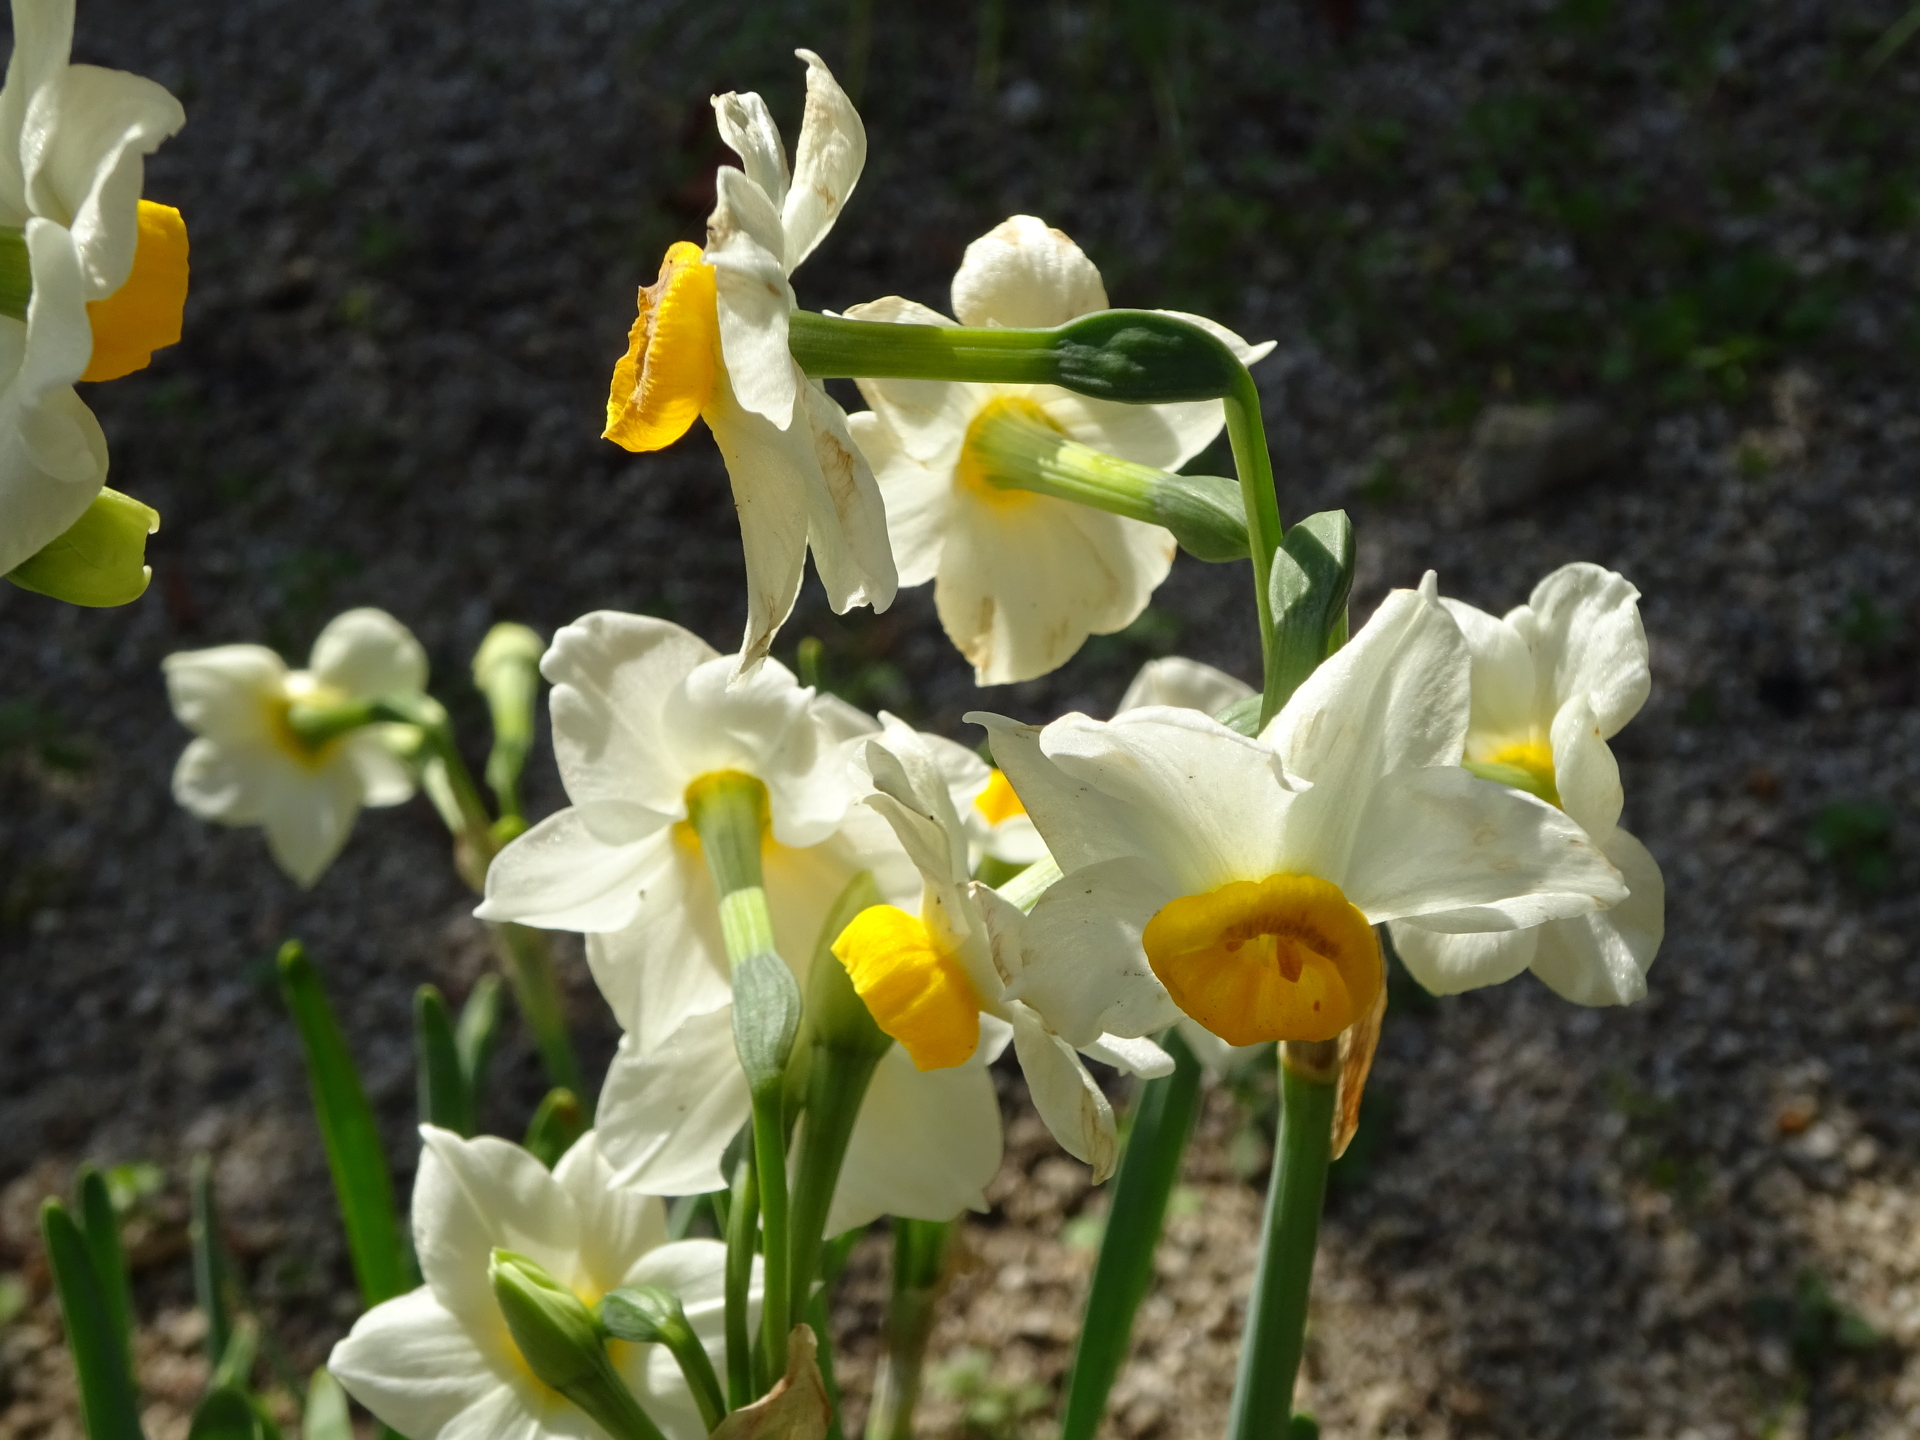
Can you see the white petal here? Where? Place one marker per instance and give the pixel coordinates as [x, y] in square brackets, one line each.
[1022, 583]
[1163, 436]
[42, 41]
[1024, 273]
[228, 783]
[560, 875]
[667, 1115]
[1466, 854]
[1603, 958]
[523, 1409]
[1072, 1105]
[847, 519]
[1502, 711]
[1131, 1055]
[670, 962]
[84, 149]
[771, 471]
[916, 498]
[1248, 352]
[924, 1147]
[695, 1270]
[385, 779]
[472, 1196]
[231, 693]
[611, 676]
[367, 653]
[1588, 640]
[308, 814]
[749, 131]
[1176, 680]
[619, 1224]
[826, 163]
[1585, 772]
[1215, 1055]
[744, 245]
[1082, 966]
[1448, 964]
[413, 1365]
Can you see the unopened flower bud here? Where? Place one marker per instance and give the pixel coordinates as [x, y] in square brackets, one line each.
[564, 1345]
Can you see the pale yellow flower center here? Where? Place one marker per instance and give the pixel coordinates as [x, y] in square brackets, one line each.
[1284, 958]
[979, 461]
[704, 785]
[301, 688]
[143, 315]
[998, 803]
[1525, 765]
[666, 378]
[917, 992]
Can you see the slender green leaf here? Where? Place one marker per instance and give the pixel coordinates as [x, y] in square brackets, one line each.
[1162, 1118]
[225, 1414]
[444, 1098]
[109, 1404]
[235, 1370]
[209, 1278]
[361, 1183]
[326, 1417]
[478, 1033]
[555, 1126]
[100, 1223]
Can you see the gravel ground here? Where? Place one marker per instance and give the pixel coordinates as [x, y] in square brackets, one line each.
[417, 229]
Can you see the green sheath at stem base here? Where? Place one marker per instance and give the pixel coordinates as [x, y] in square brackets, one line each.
[1277, 1311]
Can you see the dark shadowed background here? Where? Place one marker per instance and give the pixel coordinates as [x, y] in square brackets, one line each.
[1615, 280]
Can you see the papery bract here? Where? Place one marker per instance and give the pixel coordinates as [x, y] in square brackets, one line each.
[1553, 681]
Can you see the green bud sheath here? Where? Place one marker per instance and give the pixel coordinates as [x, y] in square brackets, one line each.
[506, 669]
[101, 560]
[564, 1346]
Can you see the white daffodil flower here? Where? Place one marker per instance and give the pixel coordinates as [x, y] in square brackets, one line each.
[1553, 681]
[440, 1361]
[711, 341]
[1020, 580]
[248, 767]
[1238, 880]
[930, 979]
[643, 713]
[996, 825]
[107, 270]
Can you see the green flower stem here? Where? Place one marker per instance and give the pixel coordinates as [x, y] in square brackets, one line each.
[1248, 436]
[1277, 1312]
[728, 812]
[830, 346]
[528, 961]
[919, 1274]
[1156, 1141]
[743, 1215]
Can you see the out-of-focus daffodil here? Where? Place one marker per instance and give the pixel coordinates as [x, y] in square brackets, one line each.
[1553, 681]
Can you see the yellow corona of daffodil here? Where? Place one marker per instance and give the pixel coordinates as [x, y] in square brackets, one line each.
[92, 277]
[710, 343]
[1237, 880]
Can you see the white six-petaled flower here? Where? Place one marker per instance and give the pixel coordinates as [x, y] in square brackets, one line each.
[1020, 580]
[1553, 681]
[1238, 879]
[643, 712]
[440, 1360]
[711, 340]
[108, 269]
[248, 767]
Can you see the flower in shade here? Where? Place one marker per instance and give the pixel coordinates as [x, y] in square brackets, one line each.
[1553, 681]
[440, 1360]
[247, 766]
[92, 277]
[1020, 580]
[644, 713]
[711, 342]
[1237, 880]
[933, 975]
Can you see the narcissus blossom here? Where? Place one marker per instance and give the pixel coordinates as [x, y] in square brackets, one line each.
[106, 270]
[711, 341]
[1020, 580]
[248, 767]
[932, 976]
[440, 1361]
[1553, 681]
[643, 713]
[1238, 879]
